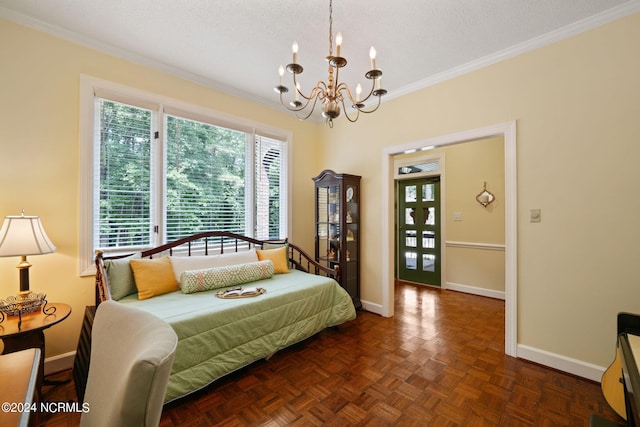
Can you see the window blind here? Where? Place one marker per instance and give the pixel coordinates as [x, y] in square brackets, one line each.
[205, 181]
[159, 177]
[269, 188]
[123, 199]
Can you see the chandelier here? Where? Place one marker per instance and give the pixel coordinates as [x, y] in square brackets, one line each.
[332, 94]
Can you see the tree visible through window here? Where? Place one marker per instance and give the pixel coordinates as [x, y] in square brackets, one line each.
[205, 178]
[123, 218]
[192, 177]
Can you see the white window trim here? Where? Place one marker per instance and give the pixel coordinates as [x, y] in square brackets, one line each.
[89, 87]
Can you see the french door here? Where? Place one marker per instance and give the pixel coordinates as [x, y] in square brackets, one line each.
[418, 239]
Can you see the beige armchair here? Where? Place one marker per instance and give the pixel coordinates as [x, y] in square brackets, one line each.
[132, 353]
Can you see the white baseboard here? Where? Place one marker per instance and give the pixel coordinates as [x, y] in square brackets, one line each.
[562, 363]
[59, 363]
[475, 290]
[369, 306]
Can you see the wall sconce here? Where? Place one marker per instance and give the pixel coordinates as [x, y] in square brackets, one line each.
[485, 197]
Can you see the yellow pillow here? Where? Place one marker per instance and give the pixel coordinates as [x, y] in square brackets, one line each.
[153, 277]
[277, 256]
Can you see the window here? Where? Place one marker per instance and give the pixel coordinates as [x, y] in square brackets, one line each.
[161, 172]
[205, 179]
[123, 215]
[270, 176]
[420, 168]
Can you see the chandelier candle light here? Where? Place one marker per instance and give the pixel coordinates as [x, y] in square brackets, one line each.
[332, 94]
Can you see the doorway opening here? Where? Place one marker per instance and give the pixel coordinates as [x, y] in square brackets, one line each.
[508, 132]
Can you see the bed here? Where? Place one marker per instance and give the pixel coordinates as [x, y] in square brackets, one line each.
[217, 336]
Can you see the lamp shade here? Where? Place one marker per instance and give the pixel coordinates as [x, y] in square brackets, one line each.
[24, 235]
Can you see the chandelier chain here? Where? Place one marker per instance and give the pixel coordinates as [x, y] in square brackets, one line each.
[330, 27]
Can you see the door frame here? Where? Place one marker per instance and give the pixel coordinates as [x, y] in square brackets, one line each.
[508, 131]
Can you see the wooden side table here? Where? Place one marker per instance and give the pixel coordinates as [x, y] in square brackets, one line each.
[20, 369]
[30, 334]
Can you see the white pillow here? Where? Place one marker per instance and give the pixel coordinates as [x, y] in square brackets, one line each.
[202, 262]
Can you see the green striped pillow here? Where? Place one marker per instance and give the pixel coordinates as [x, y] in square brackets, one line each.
[222, 277]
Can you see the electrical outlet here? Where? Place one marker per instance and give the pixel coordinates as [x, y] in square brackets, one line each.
[457, 216]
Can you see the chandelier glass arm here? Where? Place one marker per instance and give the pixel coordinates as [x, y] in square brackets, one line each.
[302, 107]
[359, 105]
[318, 91]
[320, 87]
[346, 112]
[361, 109]
[313, 107]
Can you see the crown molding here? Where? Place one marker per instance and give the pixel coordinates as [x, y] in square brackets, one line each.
[131, 56]
[610, 15]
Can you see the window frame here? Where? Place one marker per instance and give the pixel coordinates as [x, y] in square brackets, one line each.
[92, 87]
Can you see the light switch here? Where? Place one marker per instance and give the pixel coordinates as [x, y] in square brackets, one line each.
[457, 216]
[535, 215]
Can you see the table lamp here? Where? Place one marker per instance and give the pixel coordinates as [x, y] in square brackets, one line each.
[22, 236]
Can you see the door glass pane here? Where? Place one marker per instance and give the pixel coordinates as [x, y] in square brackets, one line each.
[410, 194]
[428, 262]
[409, 216]
[411, 259]
[428, 193]
[332, 253]
[351, 236]
[429, 216]
[411, 238]
[323, 248]
[334, 204]
[428, 239]
[323, 213]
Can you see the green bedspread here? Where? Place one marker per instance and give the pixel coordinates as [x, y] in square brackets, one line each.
[218, 336]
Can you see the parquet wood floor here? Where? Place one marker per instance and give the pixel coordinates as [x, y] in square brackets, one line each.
[438, 362]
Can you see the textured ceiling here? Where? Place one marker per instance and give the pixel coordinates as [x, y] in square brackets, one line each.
[236, 46]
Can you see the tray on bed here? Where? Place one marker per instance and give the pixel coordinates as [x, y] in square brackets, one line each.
[240, 293]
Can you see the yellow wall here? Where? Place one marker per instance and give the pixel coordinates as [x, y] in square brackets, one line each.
[466, 168]
[39, 160]
[577, 108]
[578, 132]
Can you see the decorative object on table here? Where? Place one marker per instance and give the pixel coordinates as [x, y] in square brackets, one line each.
[23, 236]
[485, 197]
[333, 93]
